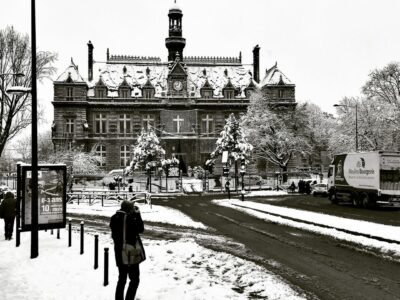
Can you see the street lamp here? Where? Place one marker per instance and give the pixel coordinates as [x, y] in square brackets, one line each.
[242, 172]
[356, 107]
[33, 92]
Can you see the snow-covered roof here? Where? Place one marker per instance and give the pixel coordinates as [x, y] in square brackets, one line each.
[71, 72]
[275, 76]
[136, 76]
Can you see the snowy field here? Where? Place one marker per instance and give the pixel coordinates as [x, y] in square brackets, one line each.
[173, 270]
[364, 227]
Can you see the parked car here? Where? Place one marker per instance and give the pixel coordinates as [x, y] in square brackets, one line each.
[320, 189]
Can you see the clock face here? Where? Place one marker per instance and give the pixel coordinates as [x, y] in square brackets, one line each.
[178, 85]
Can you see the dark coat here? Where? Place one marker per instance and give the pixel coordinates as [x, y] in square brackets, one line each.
[8, 206]
[134, 226]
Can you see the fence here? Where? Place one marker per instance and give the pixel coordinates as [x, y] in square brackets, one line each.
[92, 197]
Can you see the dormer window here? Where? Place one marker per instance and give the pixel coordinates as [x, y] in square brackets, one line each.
[124, 93]
[206, 91]
[148, 93]
[207, 94]
[148, 90]
[100, 90]
[100, 93]
[228, 94]
[229, 90]
[124, 89]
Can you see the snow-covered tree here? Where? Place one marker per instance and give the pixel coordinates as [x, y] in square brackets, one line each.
[277, 134]
[377, 125]
[233, 139]
[82, 162]
[147, 152]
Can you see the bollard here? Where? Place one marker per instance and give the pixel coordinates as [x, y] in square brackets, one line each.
[102, 200]
[18, 237]
[105, 266]
[82, 237]
[69, 233]
[51, 231]
[96, 251]
[58, 233]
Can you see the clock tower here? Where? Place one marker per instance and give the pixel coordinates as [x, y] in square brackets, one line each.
[175, 42]
[177, 79]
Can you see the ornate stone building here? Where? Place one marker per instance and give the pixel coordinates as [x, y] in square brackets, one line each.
[186, 99]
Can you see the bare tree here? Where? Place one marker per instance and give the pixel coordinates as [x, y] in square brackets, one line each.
[16, 57]
[384, 84]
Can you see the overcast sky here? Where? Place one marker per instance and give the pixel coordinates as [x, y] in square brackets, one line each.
[327, 48]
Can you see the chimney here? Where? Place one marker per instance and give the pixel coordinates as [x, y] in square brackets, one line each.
[256, 64]
[90, 61]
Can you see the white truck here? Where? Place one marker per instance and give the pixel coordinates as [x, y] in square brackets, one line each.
[365, 178]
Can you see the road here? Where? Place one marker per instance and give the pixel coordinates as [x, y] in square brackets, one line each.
[323, 267]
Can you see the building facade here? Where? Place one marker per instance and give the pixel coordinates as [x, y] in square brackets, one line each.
[186, 100]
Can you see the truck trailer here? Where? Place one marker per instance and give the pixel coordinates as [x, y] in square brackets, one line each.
[365, 178]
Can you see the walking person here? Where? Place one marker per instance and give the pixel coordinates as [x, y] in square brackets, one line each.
[126, 224]
[7, 212]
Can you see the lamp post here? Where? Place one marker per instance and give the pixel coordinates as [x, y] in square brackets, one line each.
[242, 173]
[34, 129]
[356, 107]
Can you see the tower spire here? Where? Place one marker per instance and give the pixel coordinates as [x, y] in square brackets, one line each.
[175, 42]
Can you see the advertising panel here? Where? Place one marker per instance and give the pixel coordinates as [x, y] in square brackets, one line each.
[362, 170]
[51, 196]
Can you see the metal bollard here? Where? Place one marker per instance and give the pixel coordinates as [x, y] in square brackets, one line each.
[96, 251]
[51, 231]
[18, 237]
[69, 233]
[82, 237]
[105, 266]
[58, 233]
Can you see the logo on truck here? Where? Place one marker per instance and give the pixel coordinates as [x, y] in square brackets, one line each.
[360, 168]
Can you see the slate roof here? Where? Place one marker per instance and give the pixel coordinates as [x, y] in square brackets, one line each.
[71, 72]
[274, 76]
[113, 74]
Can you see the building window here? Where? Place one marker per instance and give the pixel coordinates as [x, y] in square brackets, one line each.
[69, 128]
[124, 94]
[280, 94]
[228, 94]
[100, 93]
[207, 94]
[125, 155]
[101, 151]
[101, 123]
[148, 121]
[124, 124]
[207, 124]
[69, 93]
[147, 93]
[178, 123]
[69, 146]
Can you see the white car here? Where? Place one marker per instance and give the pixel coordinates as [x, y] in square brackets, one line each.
[320, 189]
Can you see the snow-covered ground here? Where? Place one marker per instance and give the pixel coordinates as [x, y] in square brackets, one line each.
[173, 270]
[364, 227]
[155, 213]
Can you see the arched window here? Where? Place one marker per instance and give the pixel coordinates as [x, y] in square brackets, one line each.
[101, 151]
[125, 155]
